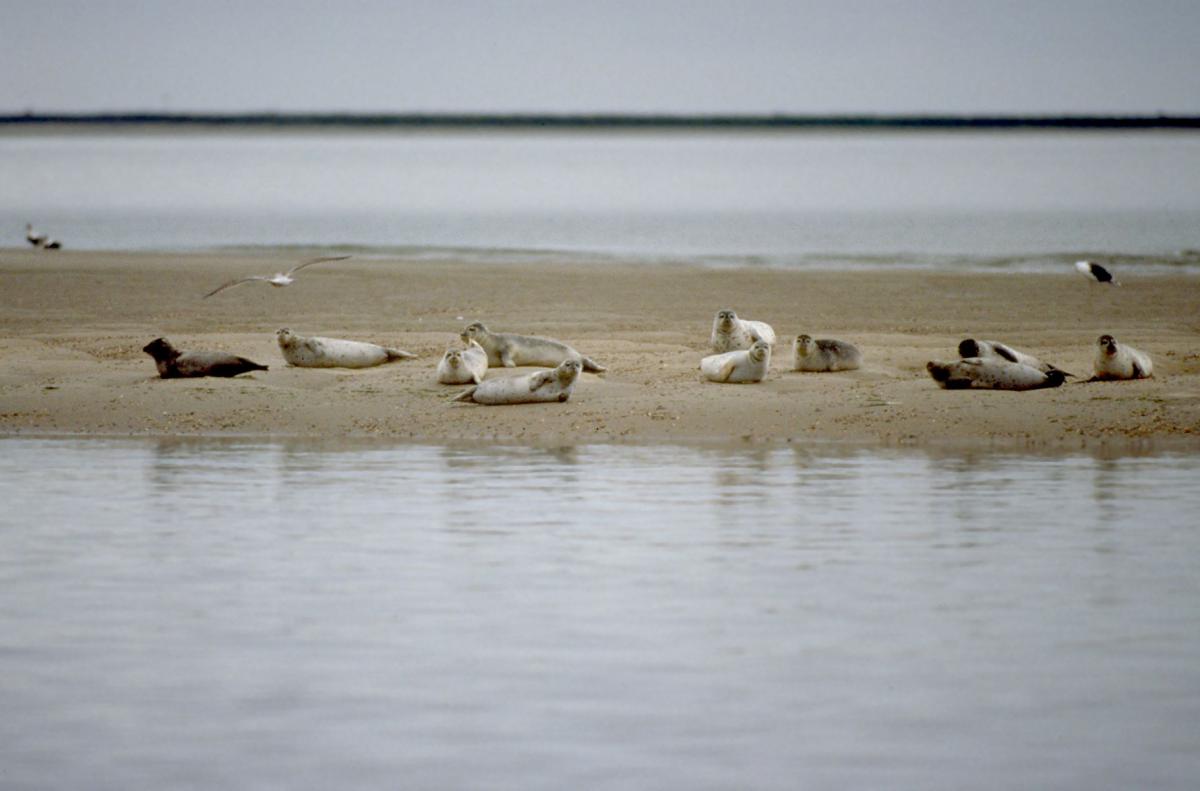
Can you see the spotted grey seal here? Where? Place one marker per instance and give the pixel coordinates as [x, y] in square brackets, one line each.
[741, 366]
[510, 350]
[729, 333]
[824, 354]
[174, 364]
[318, 352]
[985, 349]
[459, 366]
[1120, 361]
[538, 387]
[991, 373]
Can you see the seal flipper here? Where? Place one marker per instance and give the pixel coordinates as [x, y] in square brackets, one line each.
[398, 354]
[592, 366]
[727, 371]
[540, 379]
[465, 395]
[1138, 373]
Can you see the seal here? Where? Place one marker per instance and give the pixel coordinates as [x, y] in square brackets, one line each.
[459, 366]
[174, 364]
[538, 387]
[318, 352]
[729, 333]
[510, 350]
[823, 354]
[1120, 361]
[995, 349]
[991, 373]
[738, 367]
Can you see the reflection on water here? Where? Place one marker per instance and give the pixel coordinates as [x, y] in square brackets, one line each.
[241, 613]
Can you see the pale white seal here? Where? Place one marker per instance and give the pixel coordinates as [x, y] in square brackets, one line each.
[510, 350]
[538, 387]
[1120, 361]
[823, 354]
[279, 279]
[318, 352]
[992, 373]
[459, 366]
[989, 349]
[174, 364]
[729, 333]
[741, 366]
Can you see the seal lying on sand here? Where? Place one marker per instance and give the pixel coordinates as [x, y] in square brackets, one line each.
[459, 366]
[822, 354]
[729, 333]
[318, 352]
[174, 364]
[1120, 361]
[988, 349]
[537, 387]
[992, 373]
[746, 365]
[510, 350]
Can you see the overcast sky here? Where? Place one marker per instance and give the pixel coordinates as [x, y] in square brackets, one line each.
[797, 56]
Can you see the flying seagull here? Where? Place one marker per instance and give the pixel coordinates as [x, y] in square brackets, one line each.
[40, 240]
[278, 279]
[1093, 270]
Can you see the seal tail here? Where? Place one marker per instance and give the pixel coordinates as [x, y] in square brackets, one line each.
[465, 395]
[592, 366]
[398, 354]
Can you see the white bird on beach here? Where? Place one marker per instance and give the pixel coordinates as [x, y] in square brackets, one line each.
[40, 240]
[279, 279]
[1093, 270]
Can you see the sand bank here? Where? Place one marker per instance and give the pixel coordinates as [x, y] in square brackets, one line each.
[72, 325]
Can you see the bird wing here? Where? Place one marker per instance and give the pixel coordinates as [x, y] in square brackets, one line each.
[233, 283]
[312, 261]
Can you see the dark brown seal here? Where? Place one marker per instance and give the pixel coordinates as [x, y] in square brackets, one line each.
[174, 364]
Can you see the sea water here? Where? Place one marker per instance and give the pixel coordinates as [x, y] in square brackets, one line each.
[1024, 200]
[205, 613]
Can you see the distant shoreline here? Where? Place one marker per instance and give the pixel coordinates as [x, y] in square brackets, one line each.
[596, 122]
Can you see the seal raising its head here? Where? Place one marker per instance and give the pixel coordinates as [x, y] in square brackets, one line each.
[459, 366]
[822, 354]
[1120, 361]
[174, 364]
[538, 387]
[510, 350]
[738, 367]
[992, 373]
[729, 333]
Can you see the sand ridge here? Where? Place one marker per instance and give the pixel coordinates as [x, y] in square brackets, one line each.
[73, 323]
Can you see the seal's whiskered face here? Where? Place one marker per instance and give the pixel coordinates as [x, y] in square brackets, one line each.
[726, 318]
[284, 335]
[759, 351]
[1108, 344]
[804, 343]
[453, 357]
[473, 330]
[569, 369]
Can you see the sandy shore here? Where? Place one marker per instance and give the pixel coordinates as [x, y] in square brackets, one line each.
[72, 325]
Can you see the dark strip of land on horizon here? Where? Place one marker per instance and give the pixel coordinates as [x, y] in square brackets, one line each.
[597, 121]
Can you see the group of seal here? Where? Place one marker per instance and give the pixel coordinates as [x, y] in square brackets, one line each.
[509, 350]
[743, 351]
[991, 365]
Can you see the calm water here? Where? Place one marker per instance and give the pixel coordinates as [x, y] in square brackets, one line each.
[250, 614]
[1018, 200]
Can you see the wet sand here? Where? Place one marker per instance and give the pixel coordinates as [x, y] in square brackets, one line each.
[73, 323]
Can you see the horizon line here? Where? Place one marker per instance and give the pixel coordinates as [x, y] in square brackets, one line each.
[525, 120]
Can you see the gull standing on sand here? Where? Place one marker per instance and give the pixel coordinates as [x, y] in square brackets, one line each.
[1091, 269]
[40, 240]
[279, 279]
